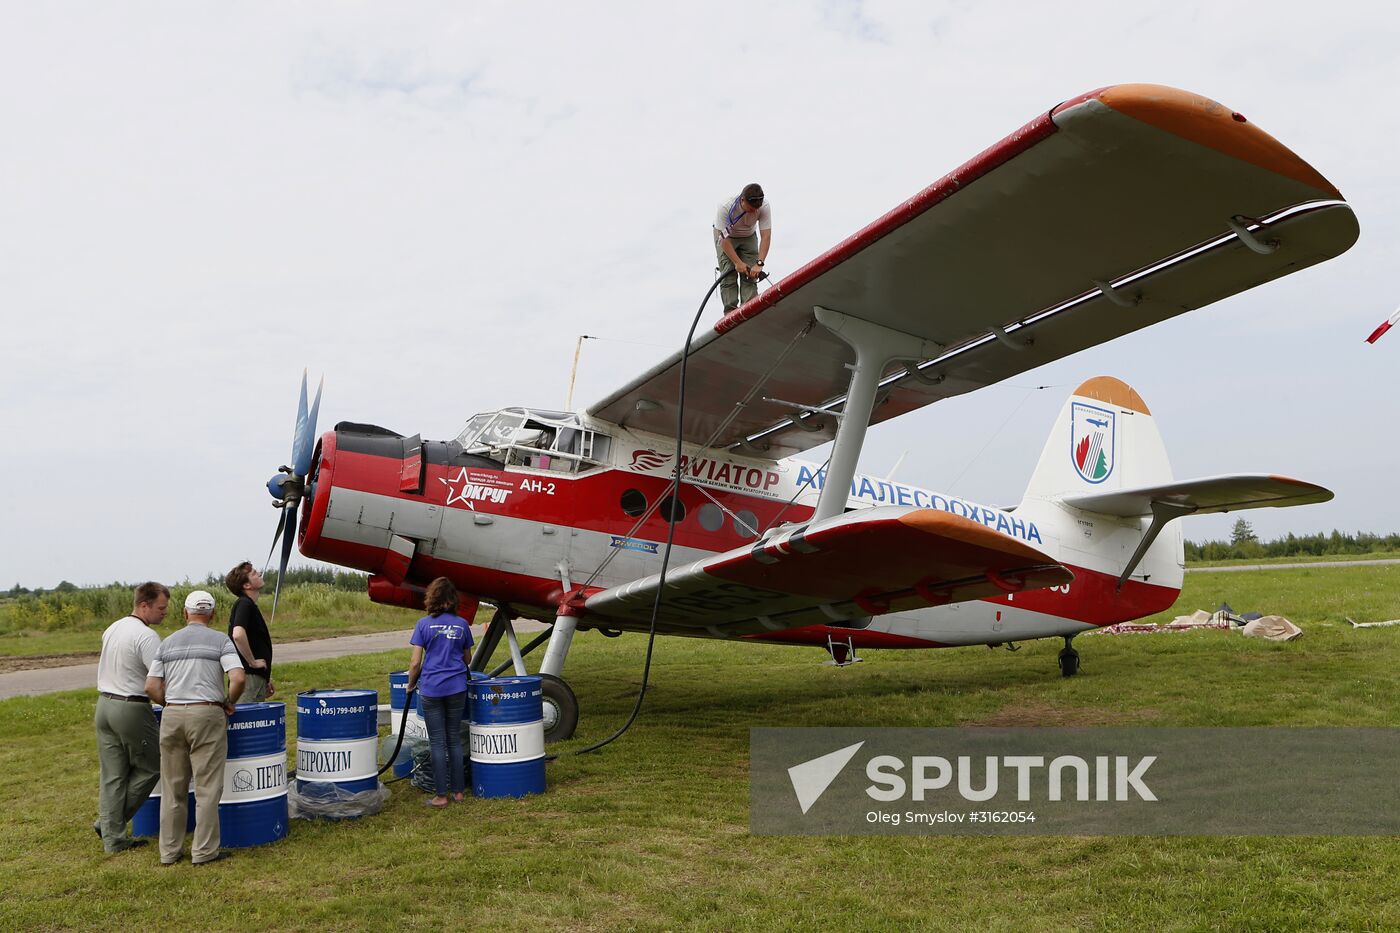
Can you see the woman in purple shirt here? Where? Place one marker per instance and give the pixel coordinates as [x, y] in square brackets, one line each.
[442, 642]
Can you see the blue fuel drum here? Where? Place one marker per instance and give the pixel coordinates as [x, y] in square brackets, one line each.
[337, 740]
[507, 736]
[253, 809]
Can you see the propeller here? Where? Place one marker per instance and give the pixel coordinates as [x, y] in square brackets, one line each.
[288, 485]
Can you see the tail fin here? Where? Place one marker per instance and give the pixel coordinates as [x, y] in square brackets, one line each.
[1104, 440]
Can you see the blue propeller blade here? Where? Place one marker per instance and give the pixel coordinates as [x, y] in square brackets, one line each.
[304, 444]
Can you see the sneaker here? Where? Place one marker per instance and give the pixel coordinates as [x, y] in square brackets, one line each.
[223, 854]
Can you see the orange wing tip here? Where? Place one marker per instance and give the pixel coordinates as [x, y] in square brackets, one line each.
[1211, 124]
[1113, 392]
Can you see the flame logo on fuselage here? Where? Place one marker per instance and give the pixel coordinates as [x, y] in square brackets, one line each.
[648, 460]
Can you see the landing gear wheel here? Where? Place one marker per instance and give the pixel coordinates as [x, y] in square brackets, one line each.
[1069, 661]
[560, 709]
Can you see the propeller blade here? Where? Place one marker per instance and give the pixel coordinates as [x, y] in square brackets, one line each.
[290, 516]
[305, 443]
[281, 523]
[301, 417]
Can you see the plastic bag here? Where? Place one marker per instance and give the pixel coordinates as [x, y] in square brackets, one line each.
[332, 802]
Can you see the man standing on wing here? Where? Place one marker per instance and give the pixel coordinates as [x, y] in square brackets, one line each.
[248, 631]
[740, 251]
[188, 677]
[128, 738]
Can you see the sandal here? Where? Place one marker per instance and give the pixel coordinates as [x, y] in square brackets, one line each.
[433, 802]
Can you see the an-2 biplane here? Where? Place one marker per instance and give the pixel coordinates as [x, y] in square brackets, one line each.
[1116, 210]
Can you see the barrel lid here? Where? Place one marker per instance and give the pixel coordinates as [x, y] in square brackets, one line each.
[337, 694]
[253, 710]
[506, 683]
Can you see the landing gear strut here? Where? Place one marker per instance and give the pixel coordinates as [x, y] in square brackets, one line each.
[560, 704]
[1069, 658]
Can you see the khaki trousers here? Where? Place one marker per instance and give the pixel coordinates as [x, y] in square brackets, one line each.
[730, 291]
[193, 744]
[128, 755]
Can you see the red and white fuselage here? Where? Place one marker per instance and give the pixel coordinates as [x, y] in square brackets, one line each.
[527, 524]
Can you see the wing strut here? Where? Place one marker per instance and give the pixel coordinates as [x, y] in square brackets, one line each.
[1162, 512]
[876, 348]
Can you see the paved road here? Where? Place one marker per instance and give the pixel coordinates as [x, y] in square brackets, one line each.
[84, 676]
[1321, 563]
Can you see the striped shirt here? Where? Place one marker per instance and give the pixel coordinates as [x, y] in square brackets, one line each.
[192, 663]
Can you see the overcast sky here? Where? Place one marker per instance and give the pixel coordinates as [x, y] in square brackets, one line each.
[429, 203]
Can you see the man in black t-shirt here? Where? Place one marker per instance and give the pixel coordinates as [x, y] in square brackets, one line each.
[248, 632]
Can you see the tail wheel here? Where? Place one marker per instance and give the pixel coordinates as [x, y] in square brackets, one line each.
[560, 708]
[1069, 662]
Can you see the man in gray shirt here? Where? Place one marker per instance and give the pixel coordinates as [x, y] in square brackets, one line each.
[128, 739]
[743, 232]
[188, 677]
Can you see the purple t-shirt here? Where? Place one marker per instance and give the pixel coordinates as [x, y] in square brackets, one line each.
[443, 639]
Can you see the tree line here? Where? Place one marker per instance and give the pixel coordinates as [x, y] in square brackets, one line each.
[1245, 545]
[214, 582]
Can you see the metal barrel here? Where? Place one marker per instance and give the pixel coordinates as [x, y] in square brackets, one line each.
[507, 736]
[398, 692]
[253, 808]
[146, 822]
[337, 735]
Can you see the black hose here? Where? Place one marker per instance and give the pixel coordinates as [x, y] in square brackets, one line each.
[674, 493]
[403, 723]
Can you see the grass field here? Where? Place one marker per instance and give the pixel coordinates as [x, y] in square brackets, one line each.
[31, 628]
[652, 832]
[62, 624]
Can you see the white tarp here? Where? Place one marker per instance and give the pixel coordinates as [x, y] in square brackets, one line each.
[1275, 628]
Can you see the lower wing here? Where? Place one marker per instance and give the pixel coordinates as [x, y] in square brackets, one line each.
[850, 567]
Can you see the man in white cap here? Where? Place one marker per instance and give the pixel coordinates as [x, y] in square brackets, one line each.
[188, 677]
[128, 739]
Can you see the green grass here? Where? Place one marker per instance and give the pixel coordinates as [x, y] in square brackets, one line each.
[1309, 596]
[652, 833]
[73, 623]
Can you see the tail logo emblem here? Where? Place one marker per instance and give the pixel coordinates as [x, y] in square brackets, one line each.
[1092, 441]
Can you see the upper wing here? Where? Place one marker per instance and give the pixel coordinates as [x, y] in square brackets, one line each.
[1116, 210]
[1203, 496]
[863, 563]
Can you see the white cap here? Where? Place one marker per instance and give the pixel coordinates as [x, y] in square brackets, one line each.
[199, 603]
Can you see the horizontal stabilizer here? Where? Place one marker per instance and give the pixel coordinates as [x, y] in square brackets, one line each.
[1206, 495]
[847, 568]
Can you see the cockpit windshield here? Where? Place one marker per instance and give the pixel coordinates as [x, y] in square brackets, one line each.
[543, 440]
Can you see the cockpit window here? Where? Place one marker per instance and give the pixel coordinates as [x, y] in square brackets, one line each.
[540, 440]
